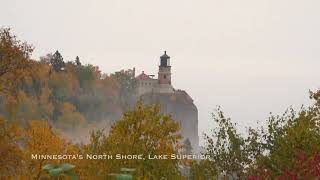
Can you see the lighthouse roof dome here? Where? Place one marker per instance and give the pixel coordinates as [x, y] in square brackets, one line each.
[165, 56]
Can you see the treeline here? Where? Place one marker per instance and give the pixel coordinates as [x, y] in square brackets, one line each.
[287, 147]
[39, 97]
[66, 93]
[141, 131]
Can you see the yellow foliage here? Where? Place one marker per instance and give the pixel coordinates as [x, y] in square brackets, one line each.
[143, 131]
[41, 140]
[10, 153]
[70, 118]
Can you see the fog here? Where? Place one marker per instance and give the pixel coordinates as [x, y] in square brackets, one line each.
[250, 57]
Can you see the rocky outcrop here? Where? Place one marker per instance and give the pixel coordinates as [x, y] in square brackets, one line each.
[182, 109]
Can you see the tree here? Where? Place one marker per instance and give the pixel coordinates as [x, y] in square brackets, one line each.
[203, 169]
[87, 76]
[14, 54]
[40, 140]
[15, 66]
[70, 118]
[77, 61]
[290, 144]
[46, 59]
[226, 147]
[143, 131]
[287, 147]
[128, 88]
[57, 62]
[292, 148]
[10, 152]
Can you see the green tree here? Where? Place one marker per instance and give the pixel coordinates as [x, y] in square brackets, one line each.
[57, 62]
[128, 88]
[289, 142]
[227, 148]
[203, 170]
[288, 146]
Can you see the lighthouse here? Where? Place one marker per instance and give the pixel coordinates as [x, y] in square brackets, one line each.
[164, 75]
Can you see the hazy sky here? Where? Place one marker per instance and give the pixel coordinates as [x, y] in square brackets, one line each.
[251, 57]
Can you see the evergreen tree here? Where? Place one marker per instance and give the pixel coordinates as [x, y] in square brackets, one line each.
[78, 63]
[57, 61]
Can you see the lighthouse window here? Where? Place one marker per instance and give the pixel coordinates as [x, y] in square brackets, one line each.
[164, 76]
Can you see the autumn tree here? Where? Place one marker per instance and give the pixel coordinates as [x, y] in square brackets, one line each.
[144, 131]
[70, 119]
[40, 140]
[14, 67]
[32, 89]
[291, 143]
[287, 147]
[14, 54]
[10, 152]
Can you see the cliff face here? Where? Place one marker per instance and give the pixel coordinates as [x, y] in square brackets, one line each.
[182, 109]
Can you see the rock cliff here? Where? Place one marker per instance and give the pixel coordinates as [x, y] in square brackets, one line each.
[182, 109]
